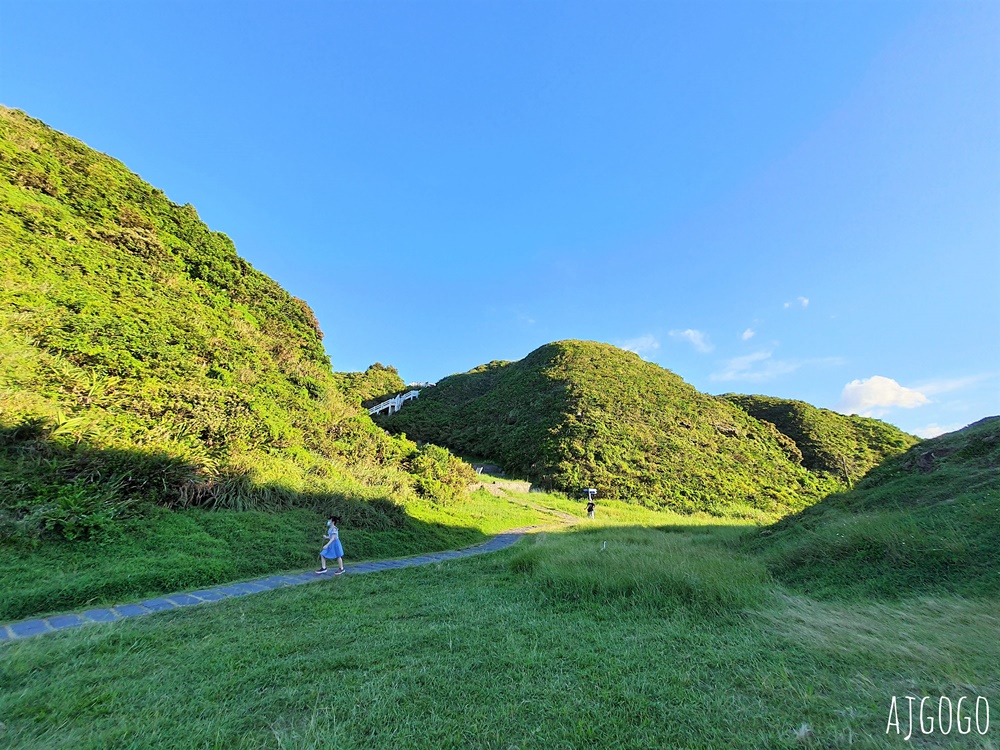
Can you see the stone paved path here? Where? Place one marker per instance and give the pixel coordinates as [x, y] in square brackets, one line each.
[39, 626]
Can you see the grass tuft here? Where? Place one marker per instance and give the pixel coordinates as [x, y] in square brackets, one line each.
[638, 567]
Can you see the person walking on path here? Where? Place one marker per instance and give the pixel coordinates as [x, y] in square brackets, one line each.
[333, 550]
[590, 508]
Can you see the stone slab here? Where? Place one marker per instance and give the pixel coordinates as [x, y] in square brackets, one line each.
[185, 600]
[100, 615]
[60, 622]
[131, 610]
[240, 589]
[273, 582]
[29, 627]
[209, 595]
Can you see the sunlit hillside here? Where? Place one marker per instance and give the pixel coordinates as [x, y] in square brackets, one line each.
[577, 414]
[144, 361]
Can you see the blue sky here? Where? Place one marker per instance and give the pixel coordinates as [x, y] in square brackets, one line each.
[795, 199]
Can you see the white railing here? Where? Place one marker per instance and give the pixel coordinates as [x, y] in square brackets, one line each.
[393, 404]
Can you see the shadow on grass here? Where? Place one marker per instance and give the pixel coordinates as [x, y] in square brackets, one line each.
[82, 527]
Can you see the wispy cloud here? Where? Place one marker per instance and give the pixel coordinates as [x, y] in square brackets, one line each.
[875, 396]
[799, 302]
[761, 366]
[644, 346]
[934, 429]
[697, 339]
[946, 385]
[754, 367]
[748, 334]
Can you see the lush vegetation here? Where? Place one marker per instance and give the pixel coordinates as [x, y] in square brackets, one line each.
[577, 414]
[640, 629]
[169, 551]
[927, 520]
[606, 636]
[145, 363]
[372, 386]
[847, 447]
[169, 420]
[149, 375]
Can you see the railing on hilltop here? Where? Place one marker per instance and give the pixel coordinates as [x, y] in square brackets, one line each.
[393, 404]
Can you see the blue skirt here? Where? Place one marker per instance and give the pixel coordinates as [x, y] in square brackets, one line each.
[333, 550]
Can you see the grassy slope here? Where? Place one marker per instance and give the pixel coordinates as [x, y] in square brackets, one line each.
[666, 639]
[669, 637]
[575, 414]
[926, 520]
[128, 325]
[145, 365]
[847, 447]
[172, 551]
[373, 385]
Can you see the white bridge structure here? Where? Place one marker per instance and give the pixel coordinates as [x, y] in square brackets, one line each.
[393, 404]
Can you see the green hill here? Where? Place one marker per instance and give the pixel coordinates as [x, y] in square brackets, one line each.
[847, 447]
[143, 361]
[370, 387]
[577, 414]
[927, 520]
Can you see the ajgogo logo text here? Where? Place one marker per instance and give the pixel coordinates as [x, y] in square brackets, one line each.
[940, 717]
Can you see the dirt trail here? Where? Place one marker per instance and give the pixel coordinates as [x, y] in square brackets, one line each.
[505, 487]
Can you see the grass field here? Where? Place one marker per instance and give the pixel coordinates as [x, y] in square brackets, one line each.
[172, 551]
[669, 637]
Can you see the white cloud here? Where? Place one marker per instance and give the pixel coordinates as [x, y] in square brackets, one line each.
[748, 334]
[697, 339]
[800, 301]
[934, 429]
[641, 345]
[874, 396]
[755, 367]
[761, 366]
[934, 387]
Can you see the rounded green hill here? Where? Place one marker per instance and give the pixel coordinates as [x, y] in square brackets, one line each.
[575, 414]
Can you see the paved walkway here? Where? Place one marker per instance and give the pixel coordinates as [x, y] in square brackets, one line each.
[39, 626]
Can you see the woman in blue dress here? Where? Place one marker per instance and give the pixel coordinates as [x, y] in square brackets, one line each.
[333, 549]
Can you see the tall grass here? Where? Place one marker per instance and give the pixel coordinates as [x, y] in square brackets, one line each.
[478, 654]
[926, 521]
[627, 567]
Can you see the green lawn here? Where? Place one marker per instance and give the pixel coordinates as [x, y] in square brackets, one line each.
[667, 638]
[172, 551]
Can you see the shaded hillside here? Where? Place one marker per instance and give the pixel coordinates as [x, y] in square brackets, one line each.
[143, 359]
[577, 414]
[927, 520]
[847, 447]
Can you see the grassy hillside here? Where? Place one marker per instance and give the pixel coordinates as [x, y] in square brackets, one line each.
[847, 447]
[577, 414]
[924, 521]
[371, 386]
[144, 362]
[668, 638]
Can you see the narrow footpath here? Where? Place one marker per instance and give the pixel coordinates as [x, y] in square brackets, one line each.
[40, 626]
